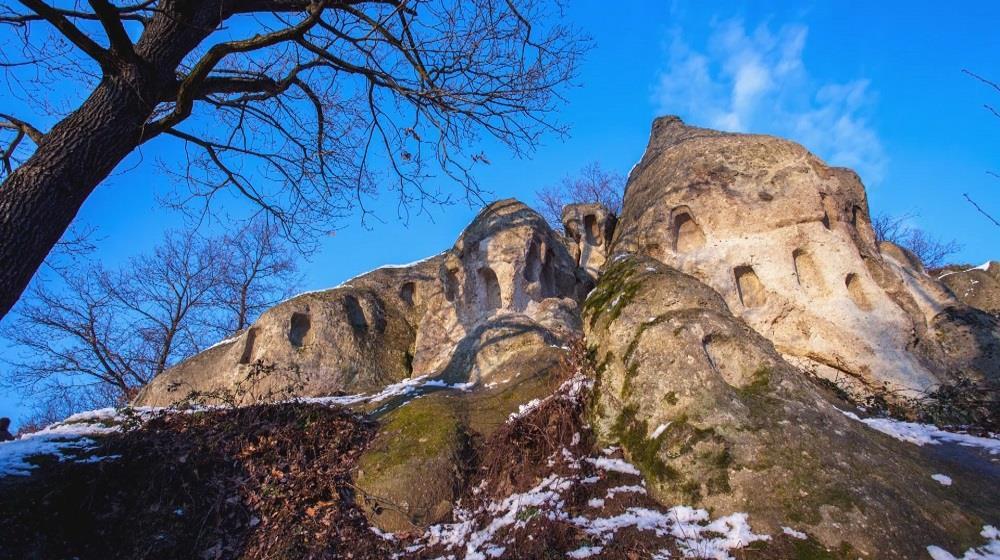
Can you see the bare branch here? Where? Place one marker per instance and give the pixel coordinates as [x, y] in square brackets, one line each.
[32, 132]
[192, 82]
[981, 211]
[992, 84]
[70, 31]
[121, 45]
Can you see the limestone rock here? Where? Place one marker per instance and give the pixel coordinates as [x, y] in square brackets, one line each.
[356, 338]
[589, 228]
[738, 262]
[494, 314]
[509, 276]
[411, 474]
[507, 266]
[977, 287]
[787, 242]
[714, 417]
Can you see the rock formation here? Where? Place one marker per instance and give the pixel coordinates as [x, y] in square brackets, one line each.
[508, 282]
[787, 242]
[740, 265]
[712, 415]
[977, 287]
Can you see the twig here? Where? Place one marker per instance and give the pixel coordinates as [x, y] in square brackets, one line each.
[981, 211]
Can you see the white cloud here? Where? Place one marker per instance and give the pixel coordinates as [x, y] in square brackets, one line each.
[756, 81]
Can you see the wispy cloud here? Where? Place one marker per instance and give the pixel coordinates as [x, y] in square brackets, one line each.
[756, 81]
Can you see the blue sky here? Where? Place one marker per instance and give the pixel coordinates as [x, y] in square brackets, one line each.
[876, 86]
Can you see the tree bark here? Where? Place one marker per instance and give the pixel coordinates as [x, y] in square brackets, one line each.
[40, 199]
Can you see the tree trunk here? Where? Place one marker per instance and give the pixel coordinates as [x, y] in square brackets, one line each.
[39, 200]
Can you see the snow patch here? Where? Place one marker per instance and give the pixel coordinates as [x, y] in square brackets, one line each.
[617, 465]
[985, 267]
[403, 388]
[921, 434]
[64, 440]
[989, 551]
[659, 430]
[794, 534]
[635, 489]
[945, 480]
[524, 409]
[585, 552]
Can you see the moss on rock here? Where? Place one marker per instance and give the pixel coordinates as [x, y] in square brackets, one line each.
[411, 474]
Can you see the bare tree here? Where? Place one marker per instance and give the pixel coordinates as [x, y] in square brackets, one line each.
[259, 270]
[97, 336]
[300, 106]
[932, 252]
[996, 114]
[591, 185]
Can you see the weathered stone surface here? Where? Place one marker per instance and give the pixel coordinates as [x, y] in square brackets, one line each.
[508, 277]
[714, 417]
[786, 241]
[739, 261]
[411, 474]
[589, 228]
[356, 338]
[977, 287]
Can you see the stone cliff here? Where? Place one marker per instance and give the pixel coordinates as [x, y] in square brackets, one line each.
[742, 273]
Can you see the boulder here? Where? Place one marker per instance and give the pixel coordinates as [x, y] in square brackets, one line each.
[714, 417]
[411, 474]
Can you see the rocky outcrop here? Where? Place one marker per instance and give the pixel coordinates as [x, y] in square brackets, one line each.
[356, 338]
[787, 243]
[977, 287]
[713, 416]
[589, 228]
[508, 283]
[741, 264]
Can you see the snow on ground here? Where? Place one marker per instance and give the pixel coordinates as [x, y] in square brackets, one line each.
[585, 551]
[484, 532]
[75, 434]
[794, 534]
[403, 388]
[67, 441]
[945, 480]
[609, 464]
[659, 430]
[985, 267]
[921, 434]
[524, 409]
[696, 534]
[989, 551]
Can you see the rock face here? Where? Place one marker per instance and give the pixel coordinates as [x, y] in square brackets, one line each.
[509, 282]
[589, 228]
[977, 287]
[787, 242]
[492, 314]
[713, 416]
[740, 264]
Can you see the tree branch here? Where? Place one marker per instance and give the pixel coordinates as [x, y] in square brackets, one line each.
[981, 211]
[16, 123]
[70, 31]
[186, 92]
[110, 19]
[23, 129]
[992, 84]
